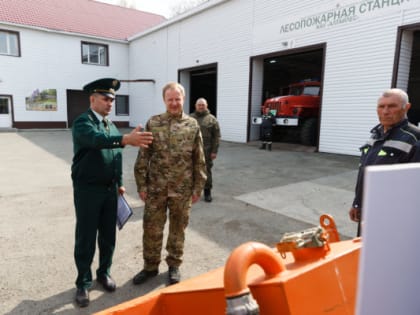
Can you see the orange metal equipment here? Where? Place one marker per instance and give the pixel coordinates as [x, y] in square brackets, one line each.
[308, 273]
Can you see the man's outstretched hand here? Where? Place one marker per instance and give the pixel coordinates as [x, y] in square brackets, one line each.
[138, 138]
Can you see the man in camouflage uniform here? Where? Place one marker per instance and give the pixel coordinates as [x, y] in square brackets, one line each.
[170, 174]
[211, 138]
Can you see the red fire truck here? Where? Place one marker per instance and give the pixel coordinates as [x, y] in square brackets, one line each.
[298, 110]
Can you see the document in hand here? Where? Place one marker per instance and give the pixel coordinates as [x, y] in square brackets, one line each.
[124, 212]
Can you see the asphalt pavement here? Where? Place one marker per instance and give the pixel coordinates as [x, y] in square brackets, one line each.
[258, 196]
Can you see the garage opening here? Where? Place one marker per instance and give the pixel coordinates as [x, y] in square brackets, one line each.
[407, 68]
[200, 82]
[294, 81]
[291, 88]
[413, 88]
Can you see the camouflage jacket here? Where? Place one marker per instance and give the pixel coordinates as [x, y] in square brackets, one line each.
[210, 130]
[174, 163]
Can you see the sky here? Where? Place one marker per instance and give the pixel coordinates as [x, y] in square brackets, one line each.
[162, 7]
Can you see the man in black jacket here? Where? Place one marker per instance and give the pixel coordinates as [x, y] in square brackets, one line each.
[393, 140]
[266, 129]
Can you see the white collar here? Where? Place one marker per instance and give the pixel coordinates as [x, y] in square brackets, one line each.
[99, 116]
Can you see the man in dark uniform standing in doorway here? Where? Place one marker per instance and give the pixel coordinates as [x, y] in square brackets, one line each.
[97, 181]
[266, 129]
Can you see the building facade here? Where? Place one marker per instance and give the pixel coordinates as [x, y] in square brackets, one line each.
[356, 48]
[50, 49]
[238, 53]
[39, 86]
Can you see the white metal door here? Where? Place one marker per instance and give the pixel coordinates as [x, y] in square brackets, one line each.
[5, 112]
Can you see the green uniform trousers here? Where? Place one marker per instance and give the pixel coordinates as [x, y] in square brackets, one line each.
[96, 216]
[154, 219]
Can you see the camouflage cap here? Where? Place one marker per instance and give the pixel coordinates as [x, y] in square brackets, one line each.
[106, 86]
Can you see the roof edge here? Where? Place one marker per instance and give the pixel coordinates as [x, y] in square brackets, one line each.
[49, 30]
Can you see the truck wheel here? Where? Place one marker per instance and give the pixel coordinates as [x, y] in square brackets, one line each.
[309, 132]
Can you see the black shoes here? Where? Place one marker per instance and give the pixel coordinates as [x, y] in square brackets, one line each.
[82, 297]
[174, 275]
[207, 195]
[107, 282]
[265, 146]
[144, 275]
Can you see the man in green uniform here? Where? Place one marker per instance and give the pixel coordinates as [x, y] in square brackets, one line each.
[210, 131]
[97, 180]
[170, 174]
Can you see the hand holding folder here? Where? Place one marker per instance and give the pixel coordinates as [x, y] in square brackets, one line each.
[124, 212]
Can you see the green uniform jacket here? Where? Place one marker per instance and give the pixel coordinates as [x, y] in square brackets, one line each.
[174, 163]
[97, 152]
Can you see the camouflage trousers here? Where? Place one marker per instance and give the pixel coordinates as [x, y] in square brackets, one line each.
[209, 165]
[155, 214]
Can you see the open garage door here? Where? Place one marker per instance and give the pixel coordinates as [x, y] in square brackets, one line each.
[413, 88]
[200, 82]
[407, 68]
[291, 88]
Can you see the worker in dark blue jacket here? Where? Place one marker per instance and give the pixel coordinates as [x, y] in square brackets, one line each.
[266, 129]
[393, 140]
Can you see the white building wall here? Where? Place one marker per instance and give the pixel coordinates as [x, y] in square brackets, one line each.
[218, 35]
[53, 61]
[145, 98]
[357, 70]
[358, 67]
[359, 62]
